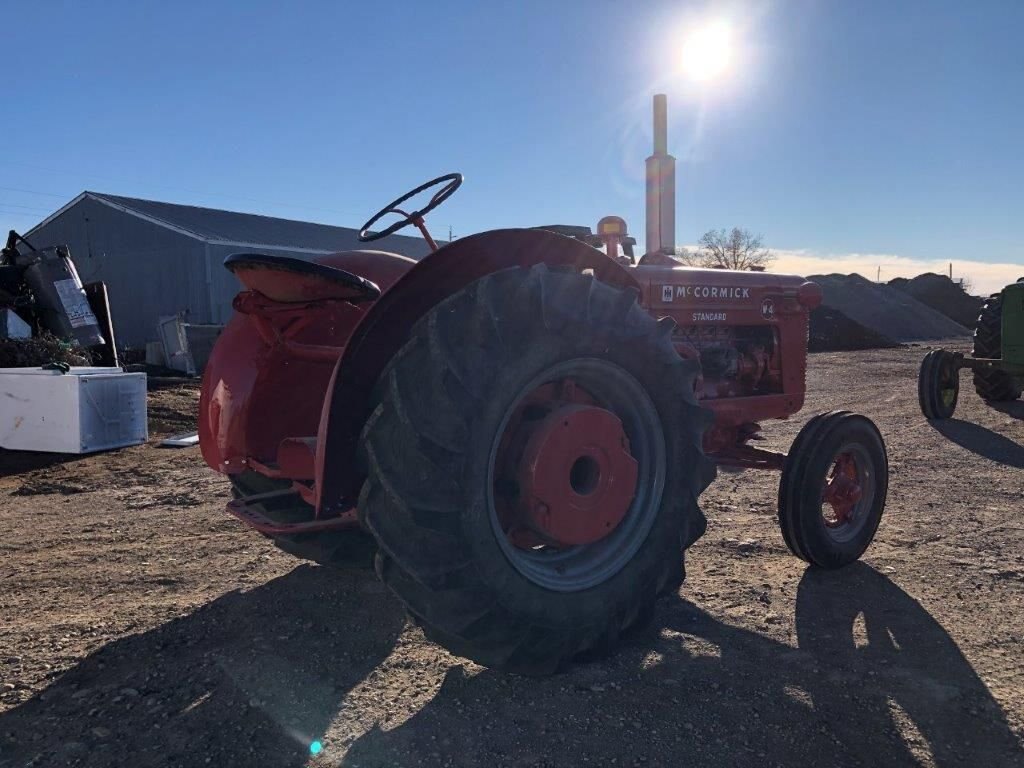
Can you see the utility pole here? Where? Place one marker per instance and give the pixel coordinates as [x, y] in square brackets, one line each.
[878, 276]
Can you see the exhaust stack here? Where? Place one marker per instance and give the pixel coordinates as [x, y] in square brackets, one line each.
[661, 185]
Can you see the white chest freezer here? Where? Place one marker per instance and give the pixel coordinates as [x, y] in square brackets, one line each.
[84, 410]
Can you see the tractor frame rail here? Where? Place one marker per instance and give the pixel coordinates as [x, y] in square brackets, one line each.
[749, 457]
[986, 364]
[268, 513]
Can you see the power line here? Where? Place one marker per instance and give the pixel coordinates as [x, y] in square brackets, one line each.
[177, 190]
[174, 189]
[33, 192]
[26, 207]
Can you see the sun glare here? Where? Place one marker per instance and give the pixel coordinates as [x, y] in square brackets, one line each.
[707, 52]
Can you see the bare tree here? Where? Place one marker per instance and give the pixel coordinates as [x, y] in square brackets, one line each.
[688, 257]
[735, 249]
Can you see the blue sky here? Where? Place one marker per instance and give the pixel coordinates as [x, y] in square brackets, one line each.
[854, 134]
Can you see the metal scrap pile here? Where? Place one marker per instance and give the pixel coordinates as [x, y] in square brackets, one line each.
[46, 314]
[41, 350]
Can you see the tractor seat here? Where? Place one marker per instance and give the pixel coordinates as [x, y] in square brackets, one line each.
[288, 279]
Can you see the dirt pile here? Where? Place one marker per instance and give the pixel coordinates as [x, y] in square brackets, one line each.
[884, 309]
[832, 331]
[942, 294]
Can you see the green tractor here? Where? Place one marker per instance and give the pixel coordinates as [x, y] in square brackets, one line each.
[997, 361]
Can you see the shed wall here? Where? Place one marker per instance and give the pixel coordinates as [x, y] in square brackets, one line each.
[152, 271]
[149, 270]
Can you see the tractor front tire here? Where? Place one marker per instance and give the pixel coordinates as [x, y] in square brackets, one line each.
[433, 494]
[833, 488]
[938, 384]
[992, 385]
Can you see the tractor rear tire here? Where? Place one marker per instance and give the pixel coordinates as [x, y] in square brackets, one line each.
[993, 385]
[347, 550]
[811, 534]
[429, 449]
[938, 384]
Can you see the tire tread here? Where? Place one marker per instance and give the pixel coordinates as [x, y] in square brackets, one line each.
[414, 449]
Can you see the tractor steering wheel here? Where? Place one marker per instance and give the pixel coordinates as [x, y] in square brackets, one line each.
[416, 217]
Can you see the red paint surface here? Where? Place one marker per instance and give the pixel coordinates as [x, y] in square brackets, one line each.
[306, 369]
[268, 375]
[842, 489]
[538, 498]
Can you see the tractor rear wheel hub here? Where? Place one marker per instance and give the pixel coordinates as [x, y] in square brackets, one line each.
[576, 477]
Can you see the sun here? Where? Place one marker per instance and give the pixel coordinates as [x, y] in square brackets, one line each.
[707, 52]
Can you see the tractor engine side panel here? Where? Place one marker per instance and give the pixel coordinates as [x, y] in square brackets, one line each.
[749, 331]
[744, 361]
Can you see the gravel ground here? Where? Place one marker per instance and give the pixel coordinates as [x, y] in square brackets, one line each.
[141, 626]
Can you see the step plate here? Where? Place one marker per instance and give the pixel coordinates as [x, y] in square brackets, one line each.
[253, 511]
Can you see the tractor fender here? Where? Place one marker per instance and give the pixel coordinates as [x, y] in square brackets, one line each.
[385, 328]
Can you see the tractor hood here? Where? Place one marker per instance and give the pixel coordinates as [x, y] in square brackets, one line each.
[724, 289]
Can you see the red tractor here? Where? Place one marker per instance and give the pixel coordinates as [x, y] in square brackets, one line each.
[515, 430]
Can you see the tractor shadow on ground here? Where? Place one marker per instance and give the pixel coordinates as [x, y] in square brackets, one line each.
[1014, 409]
[870, 664]
[252, 678]
[982, 441]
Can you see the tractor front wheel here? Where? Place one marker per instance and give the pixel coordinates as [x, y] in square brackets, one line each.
[938, 384]
[833, 488]
[533, 466]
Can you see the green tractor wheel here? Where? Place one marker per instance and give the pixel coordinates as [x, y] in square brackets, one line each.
[938, 384]
[992, 385]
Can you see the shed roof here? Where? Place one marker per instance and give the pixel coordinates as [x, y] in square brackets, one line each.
[233, 228]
